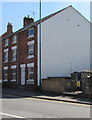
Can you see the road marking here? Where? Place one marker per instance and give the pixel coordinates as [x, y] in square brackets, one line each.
[15, 116]
[50, 100]
[59, 101]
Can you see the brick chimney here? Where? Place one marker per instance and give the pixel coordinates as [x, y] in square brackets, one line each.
[27, 21]
[9, 28]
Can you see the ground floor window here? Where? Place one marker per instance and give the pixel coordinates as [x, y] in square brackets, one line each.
[5, 73]
[30, 68]
[30, 72]
[13, 73]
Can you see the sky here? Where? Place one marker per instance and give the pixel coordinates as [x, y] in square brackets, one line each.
[14, 12]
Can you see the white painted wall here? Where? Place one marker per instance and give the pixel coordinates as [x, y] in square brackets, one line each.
[91, 46]
[65, 45]
[0, 59]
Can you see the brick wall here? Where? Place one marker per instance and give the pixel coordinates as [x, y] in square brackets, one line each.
[22, 40]
[23, 59]
[58, 85]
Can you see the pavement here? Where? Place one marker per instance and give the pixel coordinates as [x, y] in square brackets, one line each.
[34, 109]
[68, 97]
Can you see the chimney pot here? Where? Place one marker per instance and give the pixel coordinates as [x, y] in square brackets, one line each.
[28, 16]
[27, 21]
[9, 27]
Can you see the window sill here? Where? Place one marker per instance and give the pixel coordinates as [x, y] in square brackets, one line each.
[13, 80]
[30, 36]
[14, 42]
[32, 56]
[6, 45]
[13, 60]
[32, 73]
[31, 81]
[5, 80]
[5, 62]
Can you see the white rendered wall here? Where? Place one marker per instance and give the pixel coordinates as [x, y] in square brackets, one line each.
[0, 59]
[91, 46]
[65, 44]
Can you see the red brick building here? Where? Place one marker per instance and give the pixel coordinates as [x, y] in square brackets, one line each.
[62, 39]
[19, 55]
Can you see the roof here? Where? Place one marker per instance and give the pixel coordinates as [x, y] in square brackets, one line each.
[37, 22]
[43, 19]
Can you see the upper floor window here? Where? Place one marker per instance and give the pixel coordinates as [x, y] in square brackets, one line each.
[14, 49]
[31, 49]
[5, 55]
[14, 39]
[31, 32]
[6, 42]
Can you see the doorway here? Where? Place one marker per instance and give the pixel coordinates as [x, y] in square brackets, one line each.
[22, 75]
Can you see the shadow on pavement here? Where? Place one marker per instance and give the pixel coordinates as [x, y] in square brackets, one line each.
[12, 93]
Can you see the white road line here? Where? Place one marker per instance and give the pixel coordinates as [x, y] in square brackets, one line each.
[15, 116]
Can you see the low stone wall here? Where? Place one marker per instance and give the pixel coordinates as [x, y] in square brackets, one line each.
[86, 83]
[58, 85]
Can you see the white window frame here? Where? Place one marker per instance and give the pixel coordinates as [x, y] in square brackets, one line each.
[30, 81]
[6, 50]
[7, 42]
[5, 68]
[22, 66]
[14, 39]
[32, 34]
[14, 48]
[13, 67]
[30, 65]
[28, 44]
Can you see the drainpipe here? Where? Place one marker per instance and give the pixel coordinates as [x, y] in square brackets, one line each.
[40, 46]
[17, 58]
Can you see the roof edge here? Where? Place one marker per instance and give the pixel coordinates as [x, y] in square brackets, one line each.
[81, 15]
[44, 19]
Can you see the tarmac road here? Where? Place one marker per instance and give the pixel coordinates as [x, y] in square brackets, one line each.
[20, 107]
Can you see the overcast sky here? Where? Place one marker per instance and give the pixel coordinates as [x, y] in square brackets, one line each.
[15, 11]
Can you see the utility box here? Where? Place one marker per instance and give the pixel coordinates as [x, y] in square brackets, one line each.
[76, 76]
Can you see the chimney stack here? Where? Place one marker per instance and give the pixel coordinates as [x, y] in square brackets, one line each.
[9, 28]
[27, 21]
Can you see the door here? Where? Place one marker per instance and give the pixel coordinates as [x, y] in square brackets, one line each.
[22, 75]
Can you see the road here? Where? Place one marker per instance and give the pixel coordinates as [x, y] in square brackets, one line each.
[20, 107]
